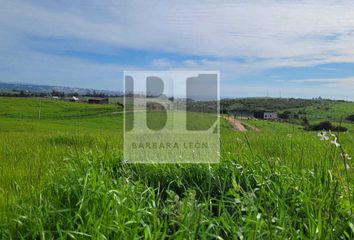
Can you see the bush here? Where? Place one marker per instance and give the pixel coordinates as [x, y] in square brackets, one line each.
[285, 115]
[326, 125]
[350, 118]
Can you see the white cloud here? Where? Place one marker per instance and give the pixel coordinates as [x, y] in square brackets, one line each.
[337, 89]
[161, 63]
[344, 82]
[265, 34]
[289, 32]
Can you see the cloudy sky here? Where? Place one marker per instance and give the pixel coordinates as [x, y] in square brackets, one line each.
[293, 48]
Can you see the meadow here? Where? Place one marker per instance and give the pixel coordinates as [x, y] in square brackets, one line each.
[62, 176]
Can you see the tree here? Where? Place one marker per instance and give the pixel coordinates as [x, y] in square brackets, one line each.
[285, 115]
[305, 122]
[327, 126]
[350, 118]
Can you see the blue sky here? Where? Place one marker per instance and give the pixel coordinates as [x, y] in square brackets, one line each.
[292, 48]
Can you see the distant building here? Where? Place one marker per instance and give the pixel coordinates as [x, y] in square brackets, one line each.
[98, 101]
[74, 99]
[270, 115]
[55, 97]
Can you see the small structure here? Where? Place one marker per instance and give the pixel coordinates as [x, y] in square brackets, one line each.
[55, 97]
[98, 101]
[74, 99]
[270, 116]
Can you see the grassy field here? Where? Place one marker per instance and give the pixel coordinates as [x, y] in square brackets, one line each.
[30, 145]
[333, 111]
[62, 176]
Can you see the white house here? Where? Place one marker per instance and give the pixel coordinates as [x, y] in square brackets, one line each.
[74, 99]
[270, 116]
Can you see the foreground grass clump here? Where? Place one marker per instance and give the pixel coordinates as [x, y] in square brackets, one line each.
[98, 196]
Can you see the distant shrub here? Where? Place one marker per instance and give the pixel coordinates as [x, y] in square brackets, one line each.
[305, 122]
[265, 104]
[285, 115]
[259, 114]
[350, 118]
[326, 125]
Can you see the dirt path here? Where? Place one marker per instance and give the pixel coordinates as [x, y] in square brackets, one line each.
[240, 126]
[236, 124]
[251, 127]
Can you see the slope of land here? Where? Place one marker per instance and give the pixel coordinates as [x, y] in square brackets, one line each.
[312, 109]
[63, 176]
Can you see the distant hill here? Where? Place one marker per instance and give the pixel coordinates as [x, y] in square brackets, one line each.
[291, 109]
[274, 104]
[34, 88]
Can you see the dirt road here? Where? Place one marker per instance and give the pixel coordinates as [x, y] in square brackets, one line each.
[240, 126]
[236, 124]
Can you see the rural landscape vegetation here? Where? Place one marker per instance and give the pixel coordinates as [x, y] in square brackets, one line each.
[258, 94]
[62, 174]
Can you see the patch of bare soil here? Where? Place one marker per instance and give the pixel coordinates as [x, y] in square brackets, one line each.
[236, 124]
[241, 126]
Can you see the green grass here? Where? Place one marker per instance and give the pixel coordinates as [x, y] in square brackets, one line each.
[30, 147]
[185, 144]
[332, 111]
[63, 177]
